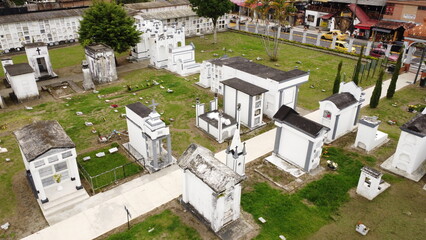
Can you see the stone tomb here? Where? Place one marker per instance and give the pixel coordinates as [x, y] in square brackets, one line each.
[149, 137]
[49, 157]
[298, 140]
[39, 59]
[368, 136]
[22, 79]
[409, 159]
[101, 60]
[6, 61]
[370, 183]
[340, 111]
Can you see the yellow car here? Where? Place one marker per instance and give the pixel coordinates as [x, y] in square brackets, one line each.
[343, 46]
[329, 35]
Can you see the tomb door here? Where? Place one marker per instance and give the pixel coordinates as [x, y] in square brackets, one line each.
[229, 210]
[41, 63]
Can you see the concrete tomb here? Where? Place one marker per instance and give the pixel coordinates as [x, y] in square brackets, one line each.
[87, 77]
[101, 60]
[149, 137]
[22, 79]
[368, 136]
[370, 183]
[39, 59]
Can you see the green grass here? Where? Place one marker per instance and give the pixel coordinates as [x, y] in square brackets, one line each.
[165, 225]
[288, 215]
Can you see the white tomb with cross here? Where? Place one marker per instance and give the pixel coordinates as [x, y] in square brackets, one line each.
[149, 137]
[370, 183]
[39, 59]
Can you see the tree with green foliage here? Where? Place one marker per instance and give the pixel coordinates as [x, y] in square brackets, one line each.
[375, 97]
[108, 23]
[355, 76]
[395, 75]
[336, 85]
[212, 9]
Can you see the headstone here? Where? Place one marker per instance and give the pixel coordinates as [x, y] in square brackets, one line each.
[88, 124]
[5, 226]
[86, 158]
[79, 113]
[100, 154]
[362, 229]
[113, 150]
[262, 220]
[3, 150]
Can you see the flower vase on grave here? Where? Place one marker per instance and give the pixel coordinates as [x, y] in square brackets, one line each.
[57, 178]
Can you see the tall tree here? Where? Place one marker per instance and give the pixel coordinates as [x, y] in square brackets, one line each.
[375, 97]
[212, 9]
[395, 75]
[355, 76]
[336, 85]
[108, 23]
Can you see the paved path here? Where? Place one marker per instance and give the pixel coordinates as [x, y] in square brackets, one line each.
[105, 211]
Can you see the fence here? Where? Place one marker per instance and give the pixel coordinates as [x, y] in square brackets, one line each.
[111, 176]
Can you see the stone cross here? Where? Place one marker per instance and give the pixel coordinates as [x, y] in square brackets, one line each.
[38, 50]
[153, 105]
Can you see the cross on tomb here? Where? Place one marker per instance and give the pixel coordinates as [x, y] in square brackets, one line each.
[38, 50]
[153, 105]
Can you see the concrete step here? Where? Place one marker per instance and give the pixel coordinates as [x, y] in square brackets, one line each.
[64, 203]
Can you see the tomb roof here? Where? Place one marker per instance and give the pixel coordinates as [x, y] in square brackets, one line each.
[416, 125]
[371, 171]
[18, 69]
[42, 15]
[291, 117]
[39, 137]
[35, 44]
[341, 100]
[201, 162]
[214, 122]
[244, 86]
[98, 47]
[140, 109]
[259, 70]
[156, 4]
[175, 13]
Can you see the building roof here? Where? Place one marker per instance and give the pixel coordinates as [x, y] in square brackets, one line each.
[244, 86]
[260, 70]
[371, 171]
[341, 100]
[140, 109]
[291, 117]
[39, 137]
[393, 25]
[215, 123]
[156, 4]
[417, 32]
[416, 125]
[18, 69]
[35, 44]
[98, 47]
[201, 162]
[42, 15]
[169, 14]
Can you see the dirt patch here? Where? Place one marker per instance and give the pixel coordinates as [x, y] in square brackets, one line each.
[28, 217]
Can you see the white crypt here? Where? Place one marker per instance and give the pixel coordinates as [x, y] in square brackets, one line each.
[22, 79]
[368, 135]
[101, 61]
[370, 183]
[39, 59]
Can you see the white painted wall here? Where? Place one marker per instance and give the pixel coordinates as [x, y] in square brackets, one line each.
[136, 139]
[293, 146]
[24, 86]
[410, 153]
[316, 16]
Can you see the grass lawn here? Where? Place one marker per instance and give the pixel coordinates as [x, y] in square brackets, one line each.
[165, 225]
[97, 166]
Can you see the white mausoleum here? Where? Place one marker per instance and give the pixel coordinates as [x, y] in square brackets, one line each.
[149, 137]
[22, 80]
[298, 140]
[101, 60]
[282, 87]
[39, 60]
[370, 183]
[340, 111]
[212, 190]
[50, 160]
[6, 61]
[368, 135]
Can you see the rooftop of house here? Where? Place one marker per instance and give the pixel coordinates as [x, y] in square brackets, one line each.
[257, 69]
[393, 25]
[291, 117]
[18, 69]
[140, 109]
[156, 4]
[201, 162]
[42, 15]
[243, 86]
[416, 125]
[417, 32]
[98, 47]
[39, 137]
[35, 44]
[168, 14]
[341, 100]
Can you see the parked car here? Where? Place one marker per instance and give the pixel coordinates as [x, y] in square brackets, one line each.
[396, 45]
[329, 35]
[381, 52]
[343, 46]
[284, 28]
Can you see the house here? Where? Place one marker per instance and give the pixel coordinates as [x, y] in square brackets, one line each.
[370, 183]
[149, 137]
[39, 60]
[21, 78]
[410, 156]
[212, 190]
[49, 157]
[101, 60]
[405, 11]
[282, 87]
[368, 135]
[340, 111]
[298, 140]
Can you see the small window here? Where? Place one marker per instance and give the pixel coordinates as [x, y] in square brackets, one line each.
[66, 154]
[60, 166]
[39, 163]
[258, 97]
[257, 112]
[53, 159]
[46, 171]
[327, 114]
[258, 104]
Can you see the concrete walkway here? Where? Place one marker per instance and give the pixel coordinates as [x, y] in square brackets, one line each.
[105, 211]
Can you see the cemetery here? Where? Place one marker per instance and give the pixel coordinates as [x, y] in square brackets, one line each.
[267, 193]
